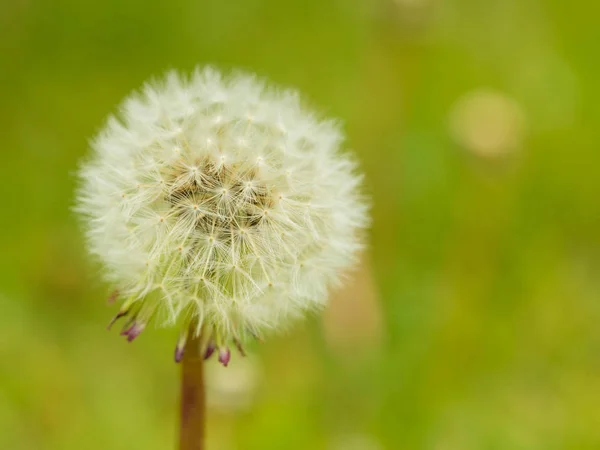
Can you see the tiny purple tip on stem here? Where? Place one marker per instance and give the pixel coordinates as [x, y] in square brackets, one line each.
[179, 351]
[180, 347]
[224, 356]
[210, 349]
[133, 331]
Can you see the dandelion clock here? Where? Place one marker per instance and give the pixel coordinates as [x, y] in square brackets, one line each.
[223, 206]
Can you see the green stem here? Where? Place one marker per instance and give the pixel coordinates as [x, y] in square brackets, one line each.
[193, 402]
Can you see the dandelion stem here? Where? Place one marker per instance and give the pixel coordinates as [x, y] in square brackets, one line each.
[193, 405]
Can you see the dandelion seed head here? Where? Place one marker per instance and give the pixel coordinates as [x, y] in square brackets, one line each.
[222, 202]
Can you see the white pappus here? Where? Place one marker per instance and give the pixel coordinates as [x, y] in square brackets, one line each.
[221, 203]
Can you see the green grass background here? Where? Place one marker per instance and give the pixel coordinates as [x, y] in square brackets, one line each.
[487, 270]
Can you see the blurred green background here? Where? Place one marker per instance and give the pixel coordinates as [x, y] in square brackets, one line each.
[477, 125]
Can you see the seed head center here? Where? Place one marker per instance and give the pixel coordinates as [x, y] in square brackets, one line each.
[230, 198]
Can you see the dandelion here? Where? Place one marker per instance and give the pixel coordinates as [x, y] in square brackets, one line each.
[222, 205]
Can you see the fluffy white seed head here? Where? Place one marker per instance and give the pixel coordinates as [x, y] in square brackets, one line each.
[221, 201]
